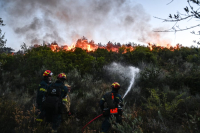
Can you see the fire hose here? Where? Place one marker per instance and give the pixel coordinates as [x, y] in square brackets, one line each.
[91, 121]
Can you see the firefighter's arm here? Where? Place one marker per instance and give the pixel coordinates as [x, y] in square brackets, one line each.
[42, 88]
[65, 91]
[42, 91]
[68, 87]
[64, 98]
[119, 100]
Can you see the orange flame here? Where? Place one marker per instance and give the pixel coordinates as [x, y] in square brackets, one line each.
[91, 46]
[168, 46]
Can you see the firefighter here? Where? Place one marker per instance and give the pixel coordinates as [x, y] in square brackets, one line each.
[55, 117]
[41, 92]
[111, 104]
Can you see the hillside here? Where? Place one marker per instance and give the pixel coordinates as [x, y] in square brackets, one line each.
[164, 96]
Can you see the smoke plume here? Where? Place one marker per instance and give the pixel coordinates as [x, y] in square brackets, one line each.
[65, 21]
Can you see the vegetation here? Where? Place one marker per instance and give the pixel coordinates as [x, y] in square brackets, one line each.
[165, 97]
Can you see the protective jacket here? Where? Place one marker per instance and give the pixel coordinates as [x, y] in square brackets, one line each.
[41, 92]
[117, 99]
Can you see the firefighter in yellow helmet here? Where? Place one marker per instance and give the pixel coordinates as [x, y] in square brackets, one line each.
[113, 106]
[41, 93]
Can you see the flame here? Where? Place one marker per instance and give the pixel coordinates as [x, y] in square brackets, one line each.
[69, 48]
[91, 46]
[162, 46]
[89, 49]
[54, 47]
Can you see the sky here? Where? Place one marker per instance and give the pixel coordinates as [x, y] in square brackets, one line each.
[65, 21]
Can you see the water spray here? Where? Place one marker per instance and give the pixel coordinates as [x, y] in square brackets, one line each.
[133, 72]
[124, 73]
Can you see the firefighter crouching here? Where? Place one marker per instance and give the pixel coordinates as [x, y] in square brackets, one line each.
[111, 104]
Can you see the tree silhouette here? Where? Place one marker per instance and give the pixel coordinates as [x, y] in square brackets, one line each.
[191, 12]
[2, 40]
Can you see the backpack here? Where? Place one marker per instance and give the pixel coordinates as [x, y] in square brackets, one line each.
[112, 106]
[53, 102]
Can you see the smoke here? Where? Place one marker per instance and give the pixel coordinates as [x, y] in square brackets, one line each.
[124, 73]
[65, 21]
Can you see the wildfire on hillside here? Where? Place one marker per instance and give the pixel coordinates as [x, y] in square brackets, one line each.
[168, 46]
[91, 46]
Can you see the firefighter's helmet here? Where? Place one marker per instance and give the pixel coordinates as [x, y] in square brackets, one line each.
[47, 73]
[115, 85]
[62, 76]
